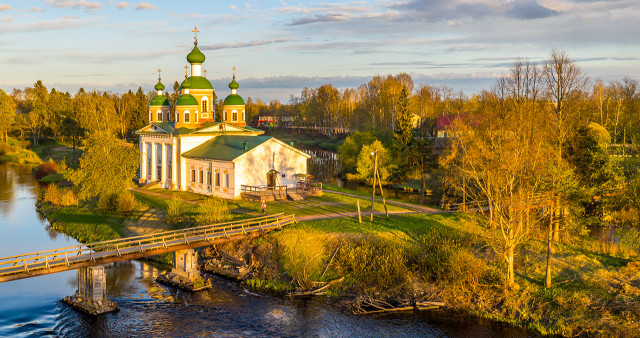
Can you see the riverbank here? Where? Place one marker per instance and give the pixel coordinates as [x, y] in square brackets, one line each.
[416, 256]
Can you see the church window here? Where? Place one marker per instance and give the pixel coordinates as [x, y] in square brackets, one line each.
[186, 117]
[150, 116]
[204, 106]
[225, 114]
[193, 175]
[168, 116]
[217, 179]
[208, 177]
[159, 116]
[226, 180]
[234, 116]
[201, 177]
[243, 116]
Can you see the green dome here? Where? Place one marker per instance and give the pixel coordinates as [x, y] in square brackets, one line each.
[159, 86]
[198, 82]
[159, 100]
[234, 84]
[186, 84]
[187, 100]
[196, 55]
[234, 100]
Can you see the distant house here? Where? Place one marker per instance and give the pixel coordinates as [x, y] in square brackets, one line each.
[444, 122]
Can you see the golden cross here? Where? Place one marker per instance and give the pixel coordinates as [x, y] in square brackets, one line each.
[159, 70]
[185, 71]
[234, 71]
[195, 33]
[205, 73]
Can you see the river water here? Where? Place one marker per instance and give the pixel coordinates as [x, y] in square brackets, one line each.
[32, 307]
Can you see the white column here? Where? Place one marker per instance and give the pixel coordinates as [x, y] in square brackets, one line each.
[143, 162]
[174, 165]
[163, 175]
[183, 173]
[154, 162]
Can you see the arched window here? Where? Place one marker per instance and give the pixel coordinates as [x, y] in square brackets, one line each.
[243, 115]
[204, 104]
[168, 116]
[234, 116]
[186, 116]
[150, 116]
[196, 115]
[225, 115]
[159, 113]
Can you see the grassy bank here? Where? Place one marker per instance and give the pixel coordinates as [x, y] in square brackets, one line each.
[444, 257]
[14, 151]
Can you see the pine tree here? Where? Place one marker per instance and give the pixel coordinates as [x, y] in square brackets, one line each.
[403, 133]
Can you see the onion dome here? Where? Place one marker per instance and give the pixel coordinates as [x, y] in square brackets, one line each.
[159, 86]
[196, 55]
[186, 100]
[234, 84]
[186, 84]
[159, 101]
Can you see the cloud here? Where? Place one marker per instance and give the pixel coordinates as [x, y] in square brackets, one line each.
[36, 9]
[7, 20]
[60, 3]
[319, 18]
[122, 5]
[88, 6]
[531, 9]
[144, 5]
[5, 7]
[234, 7]
[242, 44]
[48, 25]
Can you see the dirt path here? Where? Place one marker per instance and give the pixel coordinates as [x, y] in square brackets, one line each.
[148, 222]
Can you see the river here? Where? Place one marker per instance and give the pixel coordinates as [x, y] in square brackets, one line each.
[32, 307]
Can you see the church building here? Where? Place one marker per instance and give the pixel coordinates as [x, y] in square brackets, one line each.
[189, 150]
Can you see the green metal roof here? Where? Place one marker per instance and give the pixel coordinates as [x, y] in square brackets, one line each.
[159, 100]
[196, 55]
[226, 147]
[199, 82]
[186, 100]
[186, 84]
[159, 85]
[234, 84]
[234, 100]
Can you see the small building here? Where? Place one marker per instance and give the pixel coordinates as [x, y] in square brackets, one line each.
[191, 151]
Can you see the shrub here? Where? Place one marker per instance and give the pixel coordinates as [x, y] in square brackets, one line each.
[213, 210]
[376, 265]
[5, 149]
[125, 203]
[68, 197]
[52, 194]
[303, 256]
[46, 168]
[174, 212]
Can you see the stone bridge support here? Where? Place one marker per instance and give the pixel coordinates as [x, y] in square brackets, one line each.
[185, 273]
[91, 296]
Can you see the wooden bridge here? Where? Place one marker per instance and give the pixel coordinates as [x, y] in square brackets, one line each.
[94, 254]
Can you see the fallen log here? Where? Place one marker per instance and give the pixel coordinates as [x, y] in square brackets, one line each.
[317, 292]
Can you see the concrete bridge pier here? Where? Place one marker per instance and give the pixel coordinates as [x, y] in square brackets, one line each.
[185, 273]
[91, 296]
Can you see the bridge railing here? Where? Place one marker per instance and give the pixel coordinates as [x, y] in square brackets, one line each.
[47, 259]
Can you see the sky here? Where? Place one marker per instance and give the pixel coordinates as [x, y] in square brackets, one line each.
[280, 47]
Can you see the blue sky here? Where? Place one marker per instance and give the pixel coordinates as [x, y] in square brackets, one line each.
[280, 47]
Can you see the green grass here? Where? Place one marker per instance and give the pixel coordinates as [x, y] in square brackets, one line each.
[87, 225]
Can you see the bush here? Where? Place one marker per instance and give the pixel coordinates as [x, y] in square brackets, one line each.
[47, 168]
[174, 212]
[303, 256]
[213, 210]
[5, 148]
[52, 194]
[125, 203]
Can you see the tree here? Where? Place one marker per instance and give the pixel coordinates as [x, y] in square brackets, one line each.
[349, 150]
[107, 168]
[365, 166]
[565, 83]
[37, 117]
[403, 133]
[7, 114]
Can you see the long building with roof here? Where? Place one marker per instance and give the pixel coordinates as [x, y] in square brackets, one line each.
[189, 150]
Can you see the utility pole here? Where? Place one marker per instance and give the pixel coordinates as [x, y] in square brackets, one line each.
[373, 188]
